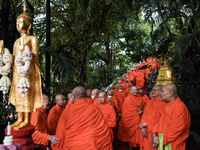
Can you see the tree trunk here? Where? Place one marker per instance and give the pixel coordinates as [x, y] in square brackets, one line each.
[47, 64]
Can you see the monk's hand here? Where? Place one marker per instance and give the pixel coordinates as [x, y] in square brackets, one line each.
[140, 112]
[144, 132]
[142, 125]
[155, 141]
[53, 139]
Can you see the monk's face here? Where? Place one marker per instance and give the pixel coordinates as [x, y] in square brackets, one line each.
[110, 94]
[61, 100]
[117, 86]
[119, 82]
[134, 91]
[124, 87]
[88, 92]
[102, 98]
[141, 92]
[120, 89]
[46, 103]
[94, 94]
[165, 94]
[156, 92]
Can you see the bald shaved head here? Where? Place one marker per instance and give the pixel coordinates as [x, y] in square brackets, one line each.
[46, 102]
[102, 97]
[60, 100]
[110, 92]
[159, 86]
[169, 93]
[141, 92]
[78, 93]
[133, 91]
[95, 94]
[156, 91]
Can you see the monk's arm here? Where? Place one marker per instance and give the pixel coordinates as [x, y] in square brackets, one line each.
[112, 119]
[38, 136]
[177, 125]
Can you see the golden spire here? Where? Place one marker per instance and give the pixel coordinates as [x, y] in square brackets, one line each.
[24, 8]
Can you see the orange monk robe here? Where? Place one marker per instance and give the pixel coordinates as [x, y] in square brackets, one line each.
[53, 118]
[89, 100]
[39, 120]
[121, 84]
[174, 123]
[151, 116]
[129, 130]
[139, 80]
[114, 102]
[82, 126]
[110, 116]
[96, 101]
[145, 99]
[120, 96]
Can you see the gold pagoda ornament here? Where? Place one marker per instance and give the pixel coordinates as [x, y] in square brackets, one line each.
[165, 75]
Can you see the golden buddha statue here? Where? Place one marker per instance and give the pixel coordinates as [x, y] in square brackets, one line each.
[165, 75]
[32, 99]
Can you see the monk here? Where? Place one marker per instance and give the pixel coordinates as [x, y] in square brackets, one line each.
[129, 130]
[82, 126]
[108, 112]
[39, 120]
[121, 96]
[94, 96]
[150, 117]
[113, 101]
[70, 102]
[143, 96]
[55, 112]
[88, 98]
[151, 95]
[174, 123]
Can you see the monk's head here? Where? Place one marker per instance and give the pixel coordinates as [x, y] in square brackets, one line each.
[78, 93]
[60, 100]
[110, 94]
[141, 92]
[133, 91]
[70, 97]
[124, 86]
[95, 94]
[129, 86]
[117, 86]
[151, 94]
[119, 82]
[46, 102]
[156, 91]
[127, 80]
[88, 92]
[102, 97]
[169, 93]
[120, 89]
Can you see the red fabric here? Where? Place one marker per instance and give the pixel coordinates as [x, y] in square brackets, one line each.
[53, 118]
[89, 100]
[129, 130]
[96, 101]
[151, 116]
[121, 96]
[174, 123]
[39, 120]
[146, 100]
[110, 116]
[114, 102]
[82, 126]
[139, 80]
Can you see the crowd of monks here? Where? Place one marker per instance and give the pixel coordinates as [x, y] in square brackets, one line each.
[93, 119]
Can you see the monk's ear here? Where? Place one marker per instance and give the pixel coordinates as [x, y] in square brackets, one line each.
[170, 94]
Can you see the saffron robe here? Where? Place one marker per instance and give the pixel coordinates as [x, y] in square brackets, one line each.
[146, 100]
[151, 116]
[139, 80]
[89, 100]
[82, 126]
[53, 118]
[110, 116]
[129, 130]
[39, 120]
[114, 102]
[174, 123]
[121, 96]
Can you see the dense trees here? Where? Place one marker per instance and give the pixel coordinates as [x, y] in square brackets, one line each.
[93, 42]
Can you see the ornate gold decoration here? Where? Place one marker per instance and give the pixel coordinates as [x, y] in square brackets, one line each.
[33, 98]
[165, 75]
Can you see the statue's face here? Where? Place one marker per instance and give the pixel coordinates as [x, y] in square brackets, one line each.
[21, 25]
